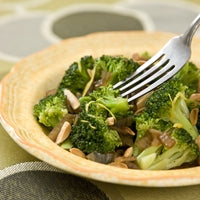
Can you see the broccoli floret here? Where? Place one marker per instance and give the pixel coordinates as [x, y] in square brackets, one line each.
[91, 133]
[144, 122]
[160, 158]
[189, 75]
[120, 67]
[145, 55]
[169, 104]
[76, 76]
[111, 99]
[50, 110]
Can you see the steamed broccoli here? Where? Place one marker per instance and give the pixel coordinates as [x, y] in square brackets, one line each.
[119, 66]
[76, 76]
[91, 133]
[189, 75]
[159, 157]
[111, 99]
[50, 110]
[169, 104]
[144, 122]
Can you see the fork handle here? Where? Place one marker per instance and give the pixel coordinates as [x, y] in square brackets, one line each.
[188, 35]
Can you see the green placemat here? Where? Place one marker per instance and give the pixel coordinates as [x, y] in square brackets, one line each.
[31, 181]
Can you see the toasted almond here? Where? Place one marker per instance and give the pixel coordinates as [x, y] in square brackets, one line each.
[77, 152]
[74, 102]
[141, 62]
[194, 116]
[55, 131]
[139, 110]
[155, 136]
[128, 130]
[122, 159]
[110, 121]
[195, 97]
[118, 164]
[51, 92]
[64, 132]
[125, 130]
[136, 56]
[140, 103]
[154, 132]
[128, 152]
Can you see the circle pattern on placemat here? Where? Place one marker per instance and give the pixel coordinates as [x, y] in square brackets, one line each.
[47, 185]
[85, 22]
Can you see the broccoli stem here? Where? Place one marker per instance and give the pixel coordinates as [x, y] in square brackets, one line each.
[180, 114]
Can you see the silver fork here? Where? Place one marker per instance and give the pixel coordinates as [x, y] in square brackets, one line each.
[161, 67]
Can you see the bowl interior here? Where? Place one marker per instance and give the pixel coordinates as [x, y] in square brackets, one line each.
[28, 81]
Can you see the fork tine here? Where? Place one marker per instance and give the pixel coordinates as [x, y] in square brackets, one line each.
[155, 84]
[148, 80]
[160, 63]
[149, 62]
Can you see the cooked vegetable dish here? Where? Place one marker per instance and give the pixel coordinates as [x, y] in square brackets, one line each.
[87, 117]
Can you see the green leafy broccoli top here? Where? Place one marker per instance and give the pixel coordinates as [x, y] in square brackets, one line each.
[91, 133]
[111, 99]
[119, 66]
[189, 75]
[76, 77]
[169, 104]
[50, 110]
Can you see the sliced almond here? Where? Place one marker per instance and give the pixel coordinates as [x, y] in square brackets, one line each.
[195, 97]
[77, 152]
[194, 116]
[64, 132]
[128, 152]
[110, 121]
[141, 62]
[73, 100]
[122, 159]
[125, 130]
[139, 110]
[128, 131]
[55, 131]
[136, 56]
[155, 132]
[118, 164]
[51, 92]
[142, 100]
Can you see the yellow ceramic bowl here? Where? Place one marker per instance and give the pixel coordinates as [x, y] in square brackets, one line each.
[33, 76]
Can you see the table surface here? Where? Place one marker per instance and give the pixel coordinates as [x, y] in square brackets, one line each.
[27, 26]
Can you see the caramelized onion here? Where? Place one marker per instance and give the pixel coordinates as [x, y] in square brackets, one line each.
[101, 158]
[166, 140]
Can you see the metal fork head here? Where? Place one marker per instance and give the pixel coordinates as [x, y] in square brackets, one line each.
[161, 67]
